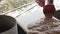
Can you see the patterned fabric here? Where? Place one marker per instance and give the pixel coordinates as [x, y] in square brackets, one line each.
[40, 2]
[43, 28]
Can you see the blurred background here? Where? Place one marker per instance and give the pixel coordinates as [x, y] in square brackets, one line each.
[6, 5]
[25, 11]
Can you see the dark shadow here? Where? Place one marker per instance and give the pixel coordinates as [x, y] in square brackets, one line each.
[57, 14]
[6, 23]
[20, 30]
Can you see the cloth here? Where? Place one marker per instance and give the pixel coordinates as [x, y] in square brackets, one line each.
[40, 2]
[42, 28]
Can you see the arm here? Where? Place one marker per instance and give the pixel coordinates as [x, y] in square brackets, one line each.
[40, 2]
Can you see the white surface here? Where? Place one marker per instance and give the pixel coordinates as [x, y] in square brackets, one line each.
[30, 17]
[57, 4]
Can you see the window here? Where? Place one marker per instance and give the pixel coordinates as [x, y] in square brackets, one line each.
[11, 4]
